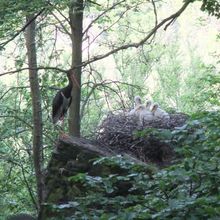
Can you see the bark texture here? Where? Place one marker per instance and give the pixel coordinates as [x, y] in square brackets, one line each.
[76, 23]
[36, 106]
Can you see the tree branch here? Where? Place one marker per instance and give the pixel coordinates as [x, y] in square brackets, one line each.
[95, 86]
[37, 68]
[156, 18]
[169, 19]
[61, 24]
[27, 87]
[95, 3]
[54, 6]
[86, 100]
[22, 29]
[104, 12]
[28, 187]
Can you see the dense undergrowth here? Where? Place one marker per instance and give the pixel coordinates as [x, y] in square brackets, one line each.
[188, 189]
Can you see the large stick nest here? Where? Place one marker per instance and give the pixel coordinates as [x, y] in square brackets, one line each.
[117, 133]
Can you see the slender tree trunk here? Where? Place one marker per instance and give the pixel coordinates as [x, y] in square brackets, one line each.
[76, 23]
[36, 107]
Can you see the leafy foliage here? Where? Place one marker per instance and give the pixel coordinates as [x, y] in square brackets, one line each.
[189, 189]
[212, 6]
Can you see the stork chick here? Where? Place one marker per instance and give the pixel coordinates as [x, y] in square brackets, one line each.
[148, 105]
[159, 113]
[144, 114]
[137, 103]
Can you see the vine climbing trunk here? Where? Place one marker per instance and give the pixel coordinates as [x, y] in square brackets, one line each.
[36, 106]
[76, 24]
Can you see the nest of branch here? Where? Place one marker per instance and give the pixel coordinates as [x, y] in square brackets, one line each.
[117, 133]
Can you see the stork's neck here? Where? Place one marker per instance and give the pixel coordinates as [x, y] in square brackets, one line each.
[67, 90]
[70, 80]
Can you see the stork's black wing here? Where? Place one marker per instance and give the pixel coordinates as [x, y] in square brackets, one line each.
[57, 107]
[70, 101]
[66, 104]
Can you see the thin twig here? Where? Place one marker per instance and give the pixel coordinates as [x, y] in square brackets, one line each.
[22, 29]
[100, 15]
[28, 187]
[141, 42]
[38, 68]
[62, 25]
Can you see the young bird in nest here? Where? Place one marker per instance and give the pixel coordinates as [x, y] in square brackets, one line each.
[159, 113]
[137, 103]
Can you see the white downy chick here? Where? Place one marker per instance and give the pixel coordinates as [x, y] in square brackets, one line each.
[144, 115]
[137, 103]
[148, 105]
[159, 113]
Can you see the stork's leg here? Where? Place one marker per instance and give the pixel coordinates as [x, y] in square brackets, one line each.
[62, 133]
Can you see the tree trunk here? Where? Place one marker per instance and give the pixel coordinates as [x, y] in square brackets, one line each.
[36, 107]
[76, 23]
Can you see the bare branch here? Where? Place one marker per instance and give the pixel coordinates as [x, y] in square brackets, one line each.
[156, 19]
[57, 9]
[110, 26]
[169, 19]
[155, 12]
[38, 68]
[86, 100]
[104, 12]
[92, 2]
[103, 84]
[27, 87]
[61, 23]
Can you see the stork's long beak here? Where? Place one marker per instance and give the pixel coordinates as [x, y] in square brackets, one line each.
[74, 80]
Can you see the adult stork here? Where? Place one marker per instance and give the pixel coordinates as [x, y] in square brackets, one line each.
[62, 101]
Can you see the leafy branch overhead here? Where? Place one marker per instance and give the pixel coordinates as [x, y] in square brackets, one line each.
[211, 6]
[169, 20]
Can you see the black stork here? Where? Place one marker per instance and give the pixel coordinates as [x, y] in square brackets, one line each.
[62, 101]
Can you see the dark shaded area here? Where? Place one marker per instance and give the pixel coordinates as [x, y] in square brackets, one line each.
[21, 217]
[74, 157]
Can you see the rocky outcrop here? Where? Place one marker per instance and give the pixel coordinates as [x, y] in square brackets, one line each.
[74, 157]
